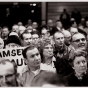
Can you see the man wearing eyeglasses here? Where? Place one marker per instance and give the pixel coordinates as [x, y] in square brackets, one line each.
[8, 74]
[79, 41]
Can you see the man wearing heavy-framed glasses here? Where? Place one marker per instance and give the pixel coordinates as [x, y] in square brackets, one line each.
[8, 74]
[79, 41]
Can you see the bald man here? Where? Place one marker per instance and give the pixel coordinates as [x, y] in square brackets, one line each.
[21, 29]
[79, 41]
[67, 36]
[15, 28]
[73, 30]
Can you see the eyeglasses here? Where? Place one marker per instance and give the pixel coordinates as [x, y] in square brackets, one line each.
[78, 40]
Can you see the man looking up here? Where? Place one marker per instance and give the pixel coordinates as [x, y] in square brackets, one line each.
[33, 59]
[62, 54]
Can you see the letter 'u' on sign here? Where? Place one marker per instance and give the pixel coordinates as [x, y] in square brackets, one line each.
[14, 54]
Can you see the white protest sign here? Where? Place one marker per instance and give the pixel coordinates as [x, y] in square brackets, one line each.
[14, 54]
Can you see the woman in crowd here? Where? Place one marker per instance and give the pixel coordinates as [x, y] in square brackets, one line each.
[80, 75]
[46, 50]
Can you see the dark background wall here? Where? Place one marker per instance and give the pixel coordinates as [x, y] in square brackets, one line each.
[54, 9]
[21, 12]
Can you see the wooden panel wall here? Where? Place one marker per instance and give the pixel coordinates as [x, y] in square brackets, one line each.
[54, 9]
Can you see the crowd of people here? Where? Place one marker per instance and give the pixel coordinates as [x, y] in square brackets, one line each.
[54, 56]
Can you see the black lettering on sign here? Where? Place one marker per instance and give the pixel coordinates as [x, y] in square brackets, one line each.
[13, 53]
[6, 53]
[13, 60]
[19, 52]
[0, 54]
[19, 63]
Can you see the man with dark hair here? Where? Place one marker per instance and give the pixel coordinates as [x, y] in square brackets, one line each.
[4, 33]
[33, 59]
[45, 32]
[58, 26]
[26, 38]
[8, 74]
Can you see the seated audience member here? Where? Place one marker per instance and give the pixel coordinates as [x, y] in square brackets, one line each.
[58, 26]
[43, 22]
[79, 41]
[80, 26]
[73, 30]
[35, 37]
[13, 41]
[8, 74]
[29, 23]
[20, 23]
[82, 22]
[49, 79]
[35, 25]
[67, 36]
[26, 38]
[73, 24]
[29, 29]
[50, 25]
[13, 33]
[4, 33]
[62, 54]
[21, 29]
[15, 28]
[1, 43]
[45, 32]
[47, 55]
[33, 60]
[80, 75]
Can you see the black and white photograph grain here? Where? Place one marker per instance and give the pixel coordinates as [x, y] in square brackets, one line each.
[43, 44]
